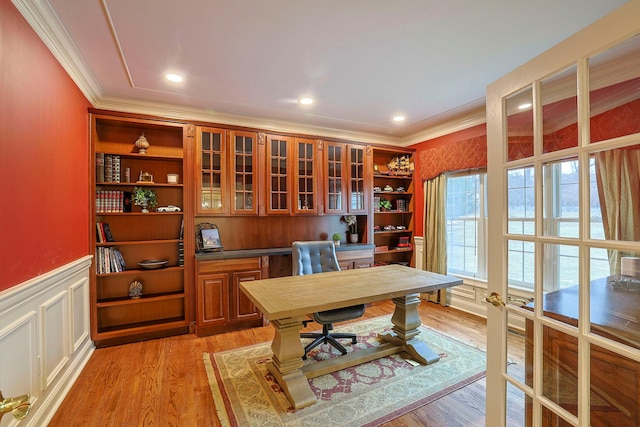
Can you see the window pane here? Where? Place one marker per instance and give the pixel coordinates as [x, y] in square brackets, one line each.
[561, 199]
[614, 82]
[464, 214]
[559, 111]
[615, 192]
[520, 125]
[521, 264]
[521, 200]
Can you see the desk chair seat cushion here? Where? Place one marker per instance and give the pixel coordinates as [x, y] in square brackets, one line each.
[339, 314]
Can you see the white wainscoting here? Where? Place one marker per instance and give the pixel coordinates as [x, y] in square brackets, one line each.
[467, 297]
[44, 339]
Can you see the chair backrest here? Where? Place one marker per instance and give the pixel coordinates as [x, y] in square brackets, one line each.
[313, 257]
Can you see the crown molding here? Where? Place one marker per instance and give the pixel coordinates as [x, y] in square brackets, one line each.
[45, 23]
[193, 114]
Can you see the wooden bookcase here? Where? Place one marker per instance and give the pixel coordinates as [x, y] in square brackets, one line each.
[393, 225]
[164, 307]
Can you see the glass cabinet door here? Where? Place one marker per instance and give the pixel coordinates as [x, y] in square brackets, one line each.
[305, 181]
[335, 157]
[278, 170]
[243, 164]
[211, 166]
[357, 179]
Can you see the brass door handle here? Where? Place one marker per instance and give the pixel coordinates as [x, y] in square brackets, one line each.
[19, 406]
[495, 299]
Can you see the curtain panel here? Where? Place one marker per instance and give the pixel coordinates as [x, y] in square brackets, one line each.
[617, 177]
[435, 225]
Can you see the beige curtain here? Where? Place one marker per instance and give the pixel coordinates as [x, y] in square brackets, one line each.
[618, 178]
[435, 245]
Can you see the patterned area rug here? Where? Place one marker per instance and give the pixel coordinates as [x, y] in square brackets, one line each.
[245, 393]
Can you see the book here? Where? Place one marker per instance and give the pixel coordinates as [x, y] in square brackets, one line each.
[107, 233]
[99, 167]
[127, 202]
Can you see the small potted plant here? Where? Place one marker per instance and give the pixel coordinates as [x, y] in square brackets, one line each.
[352, 222]
[385, 204]
[336, 238]
[145, 197]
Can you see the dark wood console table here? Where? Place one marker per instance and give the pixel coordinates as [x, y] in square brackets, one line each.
[615, 380]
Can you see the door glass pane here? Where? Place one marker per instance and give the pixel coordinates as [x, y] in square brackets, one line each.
[614, 91]
[520, 124]
[559, 111]
[521, 264]
[615, 193]
[515, 406]
[521, 200]
[561, 199]
[560, 367]
[614, 389]
[561, 282]
[516, 339]
[615, 295]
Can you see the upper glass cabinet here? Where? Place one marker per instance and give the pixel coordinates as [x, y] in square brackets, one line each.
[211, 167]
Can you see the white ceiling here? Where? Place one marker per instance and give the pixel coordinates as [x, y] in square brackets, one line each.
[246, 62]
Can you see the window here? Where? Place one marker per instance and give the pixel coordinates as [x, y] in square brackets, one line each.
[466, 225]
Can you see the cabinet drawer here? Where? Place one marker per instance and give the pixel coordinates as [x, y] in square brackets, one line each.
[354, 254]
[226, 265]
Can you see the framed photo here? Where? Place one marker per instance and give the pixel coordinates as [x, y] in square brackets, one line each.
[208, 238]
[211, 239]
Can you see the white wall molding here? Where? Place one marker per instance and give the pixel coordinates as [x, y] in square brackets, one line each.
[45, 338]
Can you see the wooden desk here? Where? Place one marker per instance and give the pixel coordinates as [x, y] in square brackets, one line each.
[286, 302]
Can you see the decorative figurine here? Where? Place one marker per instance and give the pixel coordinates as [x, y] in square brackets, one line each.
[135, 289]
[142, 144]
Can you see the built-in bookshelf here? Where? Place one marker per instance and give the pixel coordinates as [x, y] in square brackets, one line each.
[393, 206]
[133, 247]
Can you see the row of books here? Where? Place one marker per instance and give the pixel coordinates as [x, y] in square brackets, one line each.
[103, 233]
[107, 167]
[109, 260]
[113, 201]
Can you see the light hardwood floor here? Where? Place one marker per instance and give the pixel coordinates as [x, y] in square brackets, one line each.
[163, 382]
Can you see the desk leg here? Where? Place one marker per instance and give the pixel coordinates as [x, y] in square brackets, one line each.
[287, 361]
[406, 323]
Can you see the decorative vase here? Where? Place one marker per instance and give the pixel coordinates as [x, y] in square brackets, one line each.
[336, 242]
[144, 207]
[353, 237]
[142, 144]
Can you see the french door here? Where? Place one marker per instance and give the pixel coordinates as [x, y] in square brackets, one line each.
[564, 198]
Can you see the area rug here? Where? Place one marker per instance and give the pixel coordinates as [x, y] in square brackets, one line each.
[246, 394]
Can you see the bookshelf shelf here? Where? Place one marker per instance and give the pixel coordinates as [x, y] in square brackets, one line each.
[123, 235]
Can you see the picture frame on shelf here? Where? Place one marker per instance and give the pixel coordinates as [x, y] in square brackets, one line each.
[211, 239]
[208, 238]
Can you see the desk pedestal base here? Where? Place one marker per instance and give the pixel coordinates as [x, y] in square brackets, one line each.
[293, 377]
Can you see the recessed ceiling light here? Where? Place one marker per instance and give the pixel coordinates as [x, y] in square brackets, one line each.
[173, 77]
[399, 118]
[306, 101]
[524, 106]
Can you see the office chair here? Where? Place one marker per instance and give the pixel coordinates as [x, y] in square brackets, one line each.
[318, 257]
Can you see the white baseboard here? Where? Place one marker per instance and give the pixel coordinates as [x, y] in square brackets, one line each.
[45, 339]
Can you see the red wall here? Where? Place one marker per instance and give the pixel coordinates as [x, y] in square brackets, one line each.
[460, 150]
[44, 215]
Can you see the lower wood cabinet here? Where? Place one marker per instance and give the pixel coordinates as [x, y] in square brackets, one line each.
[358, 258]
[220, 304]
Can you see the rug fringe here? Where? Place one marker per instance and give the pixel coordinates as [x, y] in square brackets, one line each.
[218, 401]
